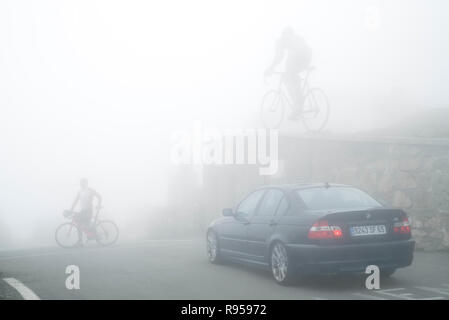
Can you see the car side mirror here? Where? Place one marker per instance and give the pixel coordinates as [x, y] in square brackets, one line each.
[228, 212]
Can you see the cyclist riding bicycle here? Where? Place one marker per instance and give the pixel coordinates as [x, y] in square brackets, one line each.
[297, 55]
[85, 197]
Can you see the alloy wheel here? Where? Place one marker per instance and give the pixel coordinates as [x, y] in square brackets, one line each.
[279, 262]
[212, 246]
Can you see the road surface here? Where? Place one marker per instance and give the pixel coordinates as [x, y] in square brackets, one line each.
[179, 269]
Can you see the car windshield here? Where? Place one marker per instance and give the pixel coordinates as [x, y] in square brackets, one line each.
[331, 198]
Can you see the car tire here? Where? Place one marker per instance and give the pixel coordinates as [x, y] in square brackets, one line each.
[387, 272]
[213, 248]
[280, 264]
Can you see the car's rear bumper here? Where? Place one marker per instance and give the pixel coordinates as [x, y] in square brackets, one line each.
[351, 258]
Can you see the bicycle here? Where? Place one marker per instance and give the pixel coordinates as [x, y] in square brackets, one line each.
[105, 232]
[315, 105]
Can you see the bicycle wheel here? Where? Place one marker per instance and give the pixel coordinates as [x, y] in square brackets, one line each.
[107, 232]
[272, 109]
[66, 235]
[315, 110]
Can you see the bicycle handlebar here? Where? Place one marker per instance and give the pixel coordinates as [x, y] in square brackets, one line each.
[69, 214]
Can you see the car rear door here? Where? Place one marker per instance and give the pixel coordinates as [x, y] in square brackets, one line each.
[263, 223]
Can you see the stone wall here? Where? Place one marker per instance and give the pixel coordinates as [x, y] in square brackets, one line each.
[412, 174]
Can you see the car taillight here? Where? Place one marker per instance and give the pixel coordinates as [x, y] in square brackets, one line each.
[402, 227]
[322, 230]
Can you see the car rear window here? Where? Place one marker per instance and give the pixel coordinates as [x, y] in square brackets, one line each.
[329, 198]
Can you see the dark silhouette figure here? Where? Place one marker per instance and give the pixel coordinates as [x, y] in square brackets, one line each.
[85, 198]
[297, 55]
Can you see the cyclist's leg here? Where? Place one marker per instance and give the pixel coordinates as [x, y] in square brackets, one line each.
[83, 220]
[90, 229]
[292, 82]
[79, 222]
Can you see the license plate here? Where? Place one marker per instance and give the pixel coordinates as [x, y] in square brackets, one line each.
[368, 230]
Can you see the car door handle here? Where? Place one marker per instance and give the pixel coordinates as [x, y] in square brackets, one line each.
[273, 223]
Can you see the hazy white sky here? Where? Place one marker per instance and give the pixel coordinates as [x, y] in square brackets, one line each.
[94, 88]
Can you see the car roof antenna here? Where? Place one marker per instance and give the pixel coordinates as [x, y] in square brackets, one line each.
[326, 185]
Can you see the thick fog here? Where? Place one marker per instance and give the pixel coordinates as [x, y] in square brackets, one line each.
[95, 89]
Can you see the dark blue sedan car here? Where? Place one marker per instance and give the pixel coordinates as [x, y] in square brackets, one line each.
[297, 230]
